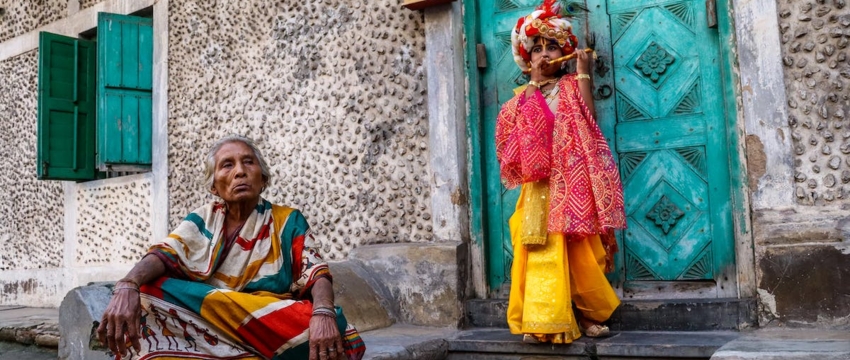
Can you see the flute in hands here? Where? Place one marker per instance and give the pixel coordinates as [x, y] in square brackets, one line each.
[570, 57]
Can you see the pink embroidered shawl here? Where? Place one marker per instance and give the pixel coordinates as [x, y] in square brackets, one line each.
[586, 196]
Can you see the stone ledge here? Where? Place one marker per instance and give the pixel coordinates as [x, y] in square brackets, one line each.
[407, 342]
[627, 344]
[798, 344]
[30, 326]
[644, 315]
[800, 225]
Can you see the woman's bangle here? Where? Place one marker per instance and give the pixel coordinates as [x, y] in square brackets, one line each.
[125, 288]
[126, 280]
[323, 311]
[583, 76]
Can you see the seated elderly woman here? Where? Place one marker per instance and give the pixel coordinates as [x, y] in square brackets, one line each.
[239, 278]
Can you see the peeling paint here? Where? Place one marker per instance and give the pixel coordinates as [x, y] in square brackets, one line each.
[459, 197]
[756, 161]
[768, 302]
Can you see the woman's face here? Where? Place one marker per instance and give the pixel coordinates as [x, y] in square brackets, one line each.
[238, 176]
[547, 50]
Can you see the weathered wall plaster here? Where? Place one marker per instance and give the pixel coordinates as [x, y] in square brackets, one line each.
[763, 99]
[792, 69]
[333, 92]
[815, 35]
[21, 16]
[424, 281]
[808, 285]
[31, 229]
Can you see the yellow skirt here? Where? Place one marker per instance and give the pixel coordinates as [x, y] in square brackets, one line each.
[546, 279]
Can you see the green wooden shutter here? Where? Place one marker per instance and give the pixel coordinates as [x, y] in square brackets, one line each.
[125, 76]
[66, 108]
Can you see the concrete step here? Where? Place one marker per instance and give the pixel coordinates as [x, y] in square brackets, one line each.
[500, 344]
[787, 344]
[28, 326]
[17, 351]
[644, 315]
[407, 342]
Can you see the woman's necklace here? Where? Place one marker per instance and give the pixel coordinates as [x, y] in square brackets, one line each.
[551, 95]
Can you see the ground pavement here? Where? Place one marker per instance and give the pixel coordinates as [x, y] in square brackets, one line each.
[32, 334]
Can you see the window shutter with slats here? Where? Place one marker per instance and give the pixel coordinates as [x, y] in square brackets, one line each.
[125, 76]
[66, 108]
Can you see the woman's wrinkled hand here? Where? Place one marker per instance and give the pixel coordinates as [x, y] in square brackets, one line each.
[325, 340]
[582, 62]
[120, 321]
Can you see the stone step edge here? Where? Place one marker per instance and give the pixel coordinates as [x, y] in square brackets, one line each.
[634, 344]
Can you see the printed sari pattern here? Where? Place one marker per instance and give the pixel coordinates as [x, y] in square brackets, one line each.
[208, 309]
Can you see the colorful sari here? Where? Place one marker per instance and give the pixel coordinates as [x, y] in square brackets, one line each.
[248, 298]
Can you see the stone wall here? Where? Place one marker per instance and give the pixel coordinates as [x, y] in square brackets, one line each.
[334, 93]
[815, 35]
[32, 212]
[21, 16]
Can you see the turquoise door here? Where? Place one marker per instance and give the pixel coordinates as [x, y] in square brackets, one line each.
[659, 95]
[499, 78]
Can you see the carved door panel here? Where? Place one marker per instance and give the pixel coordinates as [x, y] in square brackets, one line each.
[670, 137]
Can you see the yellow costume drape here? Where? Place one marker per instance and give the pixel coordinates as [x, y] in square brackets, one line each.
[546, 278]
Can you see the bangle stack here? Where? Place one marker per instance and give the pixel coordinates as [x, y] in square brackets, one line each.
[115, 290]
[324, 311]
[133, 286]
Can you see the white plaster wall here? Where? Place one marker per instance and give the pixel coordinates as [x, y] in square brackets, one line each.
[334, 93]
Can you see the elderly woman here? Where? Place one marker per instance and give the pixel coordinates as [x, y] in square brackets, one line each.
[239, 278]
[571, 199]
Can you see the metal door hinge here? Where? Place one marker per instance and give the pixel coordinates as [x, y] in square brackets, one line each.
[711, 13]
[481, 55]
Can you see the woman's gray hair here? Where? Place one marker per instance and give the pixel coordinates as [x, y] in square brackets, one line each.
[209, 163]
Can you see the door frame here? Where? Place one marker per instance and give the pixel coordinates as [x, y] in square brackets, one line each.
[739, 282]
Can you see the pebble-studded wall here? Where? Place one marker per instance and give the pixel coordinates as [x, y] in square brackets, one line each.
[113, 221]
[32, 211]
[21, 16]
[815, 35]
[88, 3]
[334, 93]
